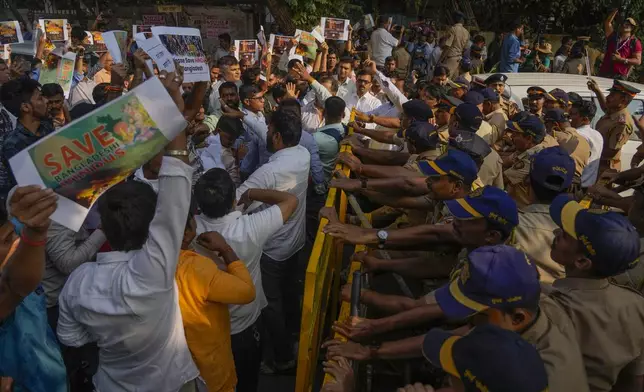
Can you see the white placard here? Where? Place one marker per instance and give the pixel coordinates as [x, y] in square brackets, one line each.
[186, 47]
[335, 29]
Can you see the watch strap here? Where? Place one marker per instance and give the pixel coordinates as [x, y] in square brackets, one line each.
[177, 153]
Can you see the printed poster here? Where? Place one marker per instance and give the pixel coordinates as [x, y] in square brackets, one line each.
[144, 29]
[306, 46]
[58, 68]
[261, 37]
[10, 33]
[335, 29]
[279, 43]
[186, 47]
[247, 49]
[216, 26]
[116, 43]
[85, 158]
[154, 20]
[55, 29]
[368, 22]
[95, 43]
[157, 52]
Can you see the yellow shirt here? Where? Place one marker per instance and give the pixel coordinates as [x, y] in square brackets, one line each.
[205, 292]
[103, 76]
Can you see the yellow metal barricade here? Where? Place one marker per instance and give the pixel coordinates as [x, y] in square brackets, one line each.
[321, 285]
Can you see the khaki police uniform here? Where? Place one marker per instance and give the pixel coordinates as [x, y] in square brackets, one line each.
[554, 337]
[609, 321]
[516, 177]
[509, 108]
[443, 133]
[491, 171]
[616, 128]
[534, 236]
[499, 119]
[575, 145]
[490, 133]
[456, 43]
[634, 277]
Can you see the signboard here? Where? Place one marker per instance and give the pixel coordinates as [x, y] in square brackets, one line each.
[154, 20]
[168, 9]
[216, 26]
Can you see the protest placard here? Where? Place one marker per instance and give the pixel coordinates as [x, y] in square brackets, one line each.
[10, 32]
[335, 29]
[157, 52]
[94, 42]
[116, 43]
[318, 34]
[247, 49]
[58, 68]
[154, 20]
[55, 30]
[279, 43]
[186, 47]
[367, 22]
[85, 158]
[144, 29]
[261, 37]
[306, 46]
[216, 26]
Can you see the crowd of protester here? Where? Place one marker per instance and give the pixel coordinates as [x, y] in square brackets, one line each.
[186, 276]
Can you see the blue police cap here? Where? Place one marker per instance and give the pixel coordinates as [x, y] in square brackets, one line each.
[500, 277]
[455, 163]
[609, 239]
[490, 203]
[553, 168]
[488, 358]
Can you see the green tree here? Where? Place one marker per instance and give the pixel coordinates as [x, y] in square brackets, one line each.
[306, 14]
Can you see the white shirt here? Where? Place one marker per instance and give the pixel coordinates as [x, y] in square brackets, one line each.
[288, 171]
[382, 43]
[139, 176]
[246, 235]
[346, 89]
[82, 93]
[127, 302]
[312, 117]
[365, 104]
[211, 156]
[221, 52]
[596, 141]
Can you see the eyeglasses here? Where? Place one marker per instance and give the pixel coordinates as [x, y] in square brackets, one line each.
[363, 81]
[262, 98]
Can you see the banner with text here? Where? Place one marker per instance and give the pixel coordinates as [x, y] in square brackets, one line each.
[85, 158]
[186, 47]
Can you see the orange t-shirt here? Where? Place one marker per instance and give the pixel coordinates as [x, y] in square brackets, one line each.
[205, 292]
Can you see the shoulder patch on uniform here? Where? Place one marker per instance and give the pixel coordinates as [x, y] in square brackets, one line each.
[621, 118]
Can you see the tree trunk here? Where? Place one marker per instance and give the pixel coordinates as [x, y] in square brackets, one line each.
[282, 16]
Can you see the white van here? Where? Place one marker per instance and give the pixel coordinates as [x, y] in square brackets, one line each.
[518, 84]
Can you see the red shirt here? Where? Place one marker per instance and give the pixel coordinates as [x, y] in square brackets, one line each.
[625, 50]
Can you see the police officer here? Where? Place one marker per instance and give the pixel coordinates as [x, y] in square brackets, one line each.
[528, 138]
[497, 82]
[536, 100]
[459, 87]
[492, 109]
[551, 174]
[491, 134]
[499, 283]
[616, 126]
[456, 40]
[444, 111]
[489, 162]
[569, 139]
[592, 246]
[557, 99]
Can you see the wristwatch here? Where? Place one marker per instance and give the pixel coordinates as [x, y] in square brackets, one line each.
[382, 238]
[177, 153]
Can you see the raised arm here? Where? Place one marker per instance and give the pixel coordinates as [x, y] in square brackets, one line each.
[286, 202]
[23, 272]
[65, 253]
[608, 23]
[154, 267]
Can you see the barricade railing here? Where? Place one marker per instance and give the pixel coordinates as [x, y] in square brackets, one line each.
[321, 288]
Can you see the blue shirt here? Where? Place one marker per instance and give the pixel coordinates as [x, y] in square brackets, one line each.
[510, 51]
[29, 351]
[14, 142]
